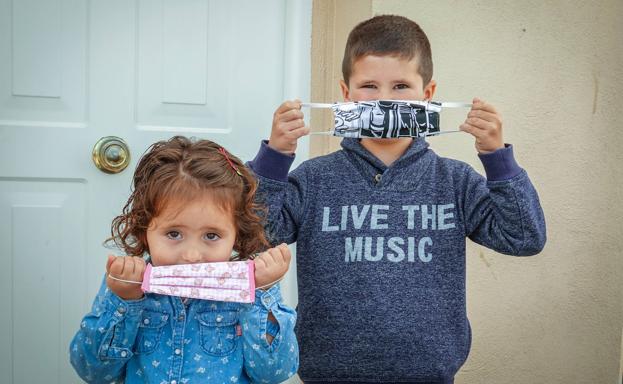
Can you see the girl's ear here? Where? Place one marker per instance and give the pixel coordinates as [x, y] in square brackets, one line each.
[141, 239]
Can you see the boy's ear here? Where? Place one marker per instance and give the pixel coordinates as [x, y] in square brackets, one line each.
[345, 91]
[429, 90]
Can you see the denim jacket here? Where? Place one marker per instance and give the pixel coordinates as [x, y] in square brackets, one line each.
[165, 339]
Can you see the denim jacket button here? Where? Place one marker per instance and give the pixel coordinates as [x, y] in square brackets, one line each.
[146, 321]
[219, 319]
[178, 351]
[124, 354]
[266, 301]
[121, 310]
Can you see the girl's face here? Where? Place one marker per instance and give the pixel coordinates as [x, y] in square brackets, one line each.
[198, 231]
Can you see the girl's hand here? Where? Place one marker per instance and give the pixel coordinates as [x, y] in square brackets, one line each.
[125, 268]
[485, 124]
[271, 266]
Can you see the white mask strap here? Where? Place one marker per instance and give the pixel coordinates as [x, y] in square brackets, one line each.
[125, 281]
[448, 104]
[316, 105]
[330, 133]
[270, 284]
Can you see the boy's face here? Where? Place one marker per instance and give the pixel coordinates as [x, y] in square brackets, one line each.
[386, 78]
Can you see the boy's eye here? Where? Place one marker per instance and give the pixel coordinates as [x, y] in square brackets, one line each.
[174, 235]
[401, 86]
[371, 86]
[212, 236]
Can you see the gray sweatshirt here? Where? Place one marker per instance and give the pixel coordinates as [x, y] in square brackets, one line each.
[380, 254]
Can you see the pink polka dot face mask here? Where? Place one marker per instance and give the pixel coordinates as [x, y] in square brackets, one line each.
[220, 281]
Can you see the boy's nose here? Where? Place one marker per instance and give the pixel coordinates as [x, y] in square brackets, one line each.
[385, 94]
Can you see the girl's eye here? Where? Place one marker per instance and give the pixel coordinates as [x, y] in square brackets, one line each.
[174, 235]
[212, 236]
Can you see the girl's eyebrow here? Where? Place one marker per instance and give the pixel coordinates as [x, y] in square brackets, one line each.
[173, 225]
[213, 228]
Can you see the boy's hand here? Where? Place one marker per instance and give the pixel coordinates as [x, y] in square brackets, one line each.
[126, 268]
[485, 124]
[288, 127]
[271, 266]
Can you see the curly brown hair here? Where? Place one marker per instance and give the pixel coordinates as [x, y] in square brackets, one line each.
[183, 168]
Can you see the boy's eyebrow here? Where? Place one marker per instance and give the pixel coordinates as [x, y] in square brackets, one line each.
[371, 80]
[365, 80]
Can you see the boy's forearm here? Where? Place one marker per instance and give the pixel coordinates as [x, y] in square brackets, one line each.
[283, 194]
[505, 215]
[271, 163]
[500, 164]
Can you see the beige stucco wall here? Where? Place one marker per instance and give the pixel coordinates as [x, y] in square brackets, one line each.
[555, 71]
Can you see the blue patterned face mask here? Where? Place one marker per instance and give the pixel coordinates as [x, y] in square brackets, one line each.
[386, 118]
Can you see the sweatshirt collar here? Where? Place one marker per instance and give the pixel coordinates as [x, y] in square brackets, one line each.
[413, 162]
[417, 148]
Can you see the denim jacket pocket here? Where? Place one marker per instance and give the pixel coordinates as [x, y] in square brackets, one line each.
[218, 332]
[149, 331]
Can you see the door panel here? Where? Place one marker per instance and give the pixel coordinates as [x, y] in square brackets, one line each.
[42, 246]
[43, 62]
[73, 71]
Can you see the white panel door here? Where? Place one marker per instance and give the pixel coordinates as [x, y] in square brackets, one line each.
[73, 71]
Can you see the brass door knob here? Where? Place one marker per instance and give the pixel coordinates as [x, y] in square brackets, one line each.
[111, 154]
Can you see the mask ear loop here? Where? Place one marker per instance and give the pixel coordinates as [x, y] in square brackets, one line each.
[320, 105]
[452, 104]
[270, 284]
[125, 281]
[449, 104]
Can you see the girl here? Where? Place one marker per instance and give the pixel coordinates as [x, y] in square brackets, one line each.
[192, 203]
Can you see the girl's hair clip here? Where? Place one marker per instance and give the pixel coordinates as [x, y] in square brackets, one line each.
[223, 152]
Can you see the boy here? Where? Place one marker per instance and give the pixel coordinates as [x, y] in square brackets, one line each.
[380, 225]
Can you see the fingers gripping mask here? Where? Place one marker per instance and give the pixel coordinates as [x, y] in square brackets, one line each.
[386, 118]
[220, 281]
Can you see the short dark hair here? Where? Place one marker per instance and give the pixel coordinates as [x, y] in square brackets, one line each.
[388, 35]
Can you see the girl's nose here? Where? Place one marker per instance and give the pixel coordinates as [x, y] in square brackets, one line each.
[192, 255]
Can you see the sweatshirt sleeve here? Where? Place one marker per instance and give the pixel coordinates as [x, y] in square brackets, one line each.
[102, 346]
[503, 212]
[282, 193]
[277, 361]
